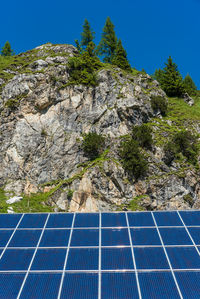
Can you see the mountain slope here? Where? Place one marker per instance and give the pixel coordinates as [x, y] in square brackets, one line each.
[44, 119]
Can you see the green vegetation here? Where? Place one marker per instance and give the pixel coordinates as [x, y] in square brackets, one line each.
[120, 57]
[6, 50]
[143, 135]
[183, 142]
[132, 158]
[170, 79]
[33, 203]
[82, 68]
[93, 145]
[190, 86]
[87, 35]
[159, 103]
[108, 43]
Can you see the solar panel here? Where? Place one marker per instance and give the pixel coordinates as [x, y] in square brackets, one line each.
[158, 285]
[145, 236]
[100, 255]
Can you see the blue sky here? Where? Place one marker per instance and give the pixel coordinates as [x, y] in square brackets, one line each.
[150, 30]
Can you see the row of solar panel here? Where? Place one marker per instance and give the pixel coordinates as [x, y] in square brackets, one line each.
[113, 285]
[107, 219]
[111, 258]
[90, 237]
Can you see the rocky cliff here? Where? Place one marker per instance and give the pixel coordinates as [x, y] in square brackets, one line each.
[42, 123]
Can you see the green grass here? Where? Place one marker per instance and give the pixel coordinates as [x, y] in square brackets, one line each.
[179, 116]
[29, 204]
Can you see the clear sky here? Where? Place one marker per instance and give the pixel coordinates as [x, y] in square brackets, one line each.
[150, 30]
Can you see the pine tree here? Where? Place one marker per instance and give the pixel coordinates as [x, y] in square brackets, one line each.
[87, 35]
[78, 46]
[172, 82]
[158, 75]
[108, 43]
[120, 57]
[189, 85]
[6, 50]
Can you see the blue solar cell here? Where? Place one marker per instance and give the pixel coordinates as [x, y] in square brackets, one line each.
[140, 219]
[85, 237]
[4, 237]
[113, 219]
[175, 236]
[183, 257]
[150, 258]
[189, 283]
[119, 285]
[41, 285]
[60, 220]
[145, 236]
[191, 218]
[16, 259]
[10, 284]
[116, 258]
[195, 234]
[83, 259]
[33, 221]
[80, 286]
[158, 285]
[114, 237]
[49, 259]
[167, 219]
[9, 221]
[25, 238]
[55, 238]
[86, 220]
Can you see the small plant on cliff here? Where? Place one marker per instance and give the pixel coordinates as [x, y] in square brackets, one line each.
[143, 135]
[132, 159]
[93, 145]
[183, 142]
[159, 103]
[82, 68]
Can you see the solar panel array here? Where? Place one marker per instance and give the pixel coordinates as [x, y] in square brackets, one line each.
[100, 255]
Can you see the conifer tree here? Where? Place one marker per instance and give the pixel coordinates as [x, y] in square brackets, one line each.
[78, 46]
[172, 82]
[120, 57]
[158, 75]
[189, 85]
[87, 35]
[6, 50]
[108, 43]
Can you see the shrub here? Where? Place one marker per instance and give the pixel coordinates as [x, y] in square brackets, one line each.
[143, 135]
[132, 159]
[170, 153]
[186, 143]
[159, 103]
[182, 142]
[82, 68]
[93, 145]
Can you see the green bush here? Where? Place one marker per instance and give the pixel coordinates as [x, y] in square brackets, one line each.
[82, 68]
[132, 159]
[93, 145]
[159, 103]
[186, 143]
[143, 135]
[183, 142]
[169, 152]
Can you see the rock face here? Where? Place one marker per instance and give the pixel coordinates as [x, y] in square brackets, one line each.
[42, 124]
